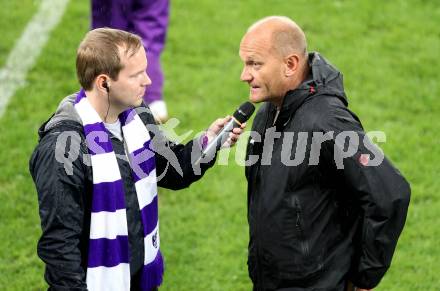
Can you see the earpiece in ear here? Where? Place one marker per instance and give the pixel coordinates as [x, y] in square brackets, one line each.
[105, 85]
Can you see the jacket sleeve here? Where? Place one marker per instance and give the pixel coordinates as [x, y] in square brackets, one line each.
[61, 211]
[175, 163]
[379, 190]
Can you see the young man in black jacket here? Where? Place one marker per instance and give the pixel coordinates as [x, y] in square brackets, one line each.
[325, 208]
[111, 67]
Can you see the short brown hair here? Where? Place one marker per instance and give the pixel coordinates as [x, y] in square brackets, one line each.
[98, 54]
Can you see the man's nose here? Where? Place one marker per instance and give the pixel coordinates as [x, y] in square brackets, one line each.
[147, 80]
[245, 75]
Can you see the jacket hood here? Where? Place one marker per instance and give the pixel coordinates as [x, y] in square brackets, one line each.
[326, 77]
[64, 115]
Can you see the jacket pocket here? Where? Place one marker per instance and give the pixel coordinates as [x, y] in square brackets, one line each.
[298, 262]
[304, 243]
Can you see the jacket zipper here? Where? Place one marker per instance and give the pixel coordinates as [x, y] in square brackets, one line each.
[304, 244]
[257, 216]
[257, 240]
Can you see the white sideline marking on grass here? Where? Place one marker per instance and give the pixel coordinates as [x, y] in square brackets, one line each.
[28, 48]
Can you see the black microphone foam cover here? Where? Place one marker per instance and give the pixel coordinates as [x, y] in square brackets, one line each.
[244, 112]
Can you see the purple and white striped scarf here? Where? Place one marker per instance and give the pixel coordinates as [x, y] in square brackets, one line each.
[108, 257]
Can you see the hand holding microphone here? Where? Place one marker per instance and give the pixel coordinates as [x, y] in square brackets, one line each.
[216, 127]
[225, 132]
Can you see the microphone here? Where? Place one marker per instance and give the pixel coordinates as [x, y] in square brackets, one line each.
[240, 116]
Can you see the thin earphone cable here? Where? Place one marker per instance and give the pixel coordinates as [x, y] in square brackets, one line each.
[108, 107]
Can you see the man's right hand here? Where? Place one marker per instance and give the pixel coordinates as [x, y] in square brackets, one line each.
[218, 125]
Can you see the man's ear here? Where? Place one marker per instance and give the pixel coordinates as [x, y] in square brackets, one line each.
[291, 63]
[102, 82]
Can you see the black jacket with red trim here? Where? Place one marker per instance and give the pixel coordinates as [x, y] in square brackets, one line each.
[320, 213]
